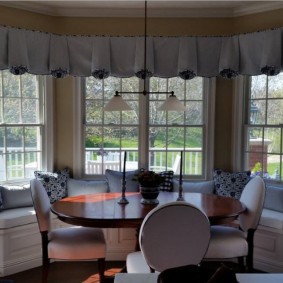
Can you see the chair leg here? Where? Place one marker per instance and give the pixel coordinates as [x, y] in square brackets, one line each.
[45, 259]
[45, 270]
[101, 269]
[249, 258]
[241, 263]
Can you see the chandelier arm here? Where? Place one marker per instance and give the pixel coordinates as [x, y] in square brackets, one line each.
[145, 43]
[145, 92]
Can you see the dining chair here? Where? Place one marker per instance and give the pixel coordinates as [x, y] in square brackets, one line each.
[69, 243]
[172, 234]
[238, 242]
[198, 274]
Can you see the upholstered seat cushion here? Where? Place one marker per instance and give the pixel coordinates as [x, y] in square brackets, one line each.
[136, 263]
[226, 242]
[63, 243]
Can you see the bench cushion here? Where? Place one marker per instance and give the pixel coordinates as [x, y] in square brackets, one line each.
[17, 217]
[271, 219]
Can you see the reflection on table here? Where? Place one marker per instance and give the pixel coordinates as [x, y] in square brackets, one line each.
[103, 210]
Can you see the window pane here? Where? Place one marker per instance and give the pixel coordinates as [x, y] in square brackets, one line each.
[258, 86]
[12, 110]
[275, 113]
[275, 86]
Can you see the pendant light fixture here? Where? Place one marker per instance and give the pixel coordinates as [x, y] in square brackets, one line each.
[116, 103]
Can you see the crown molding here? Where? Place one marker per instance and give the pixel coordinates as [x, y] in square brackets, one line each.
[178, 12]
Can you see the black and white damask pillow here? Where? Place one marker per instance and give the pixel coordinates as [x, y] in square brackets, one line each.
[55, 183]
[167, 185]
[230, 184]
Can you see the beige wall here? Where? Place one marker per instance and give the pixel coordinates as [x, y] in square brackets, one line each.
[64, 90]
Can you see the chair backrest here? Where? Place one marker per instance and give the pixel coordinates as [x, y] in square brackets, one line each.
[174, 234]
[253, 196]
[41, 204]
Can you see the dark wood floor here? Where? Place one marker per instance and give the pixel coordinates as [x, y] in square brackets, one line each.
[79, 272]
[66, 272]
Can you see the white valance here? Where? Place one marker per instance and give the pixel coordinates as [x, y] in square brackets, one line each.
[100, 56]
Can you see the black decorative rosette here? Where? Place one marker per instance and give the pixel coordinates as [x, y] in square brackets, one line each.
[187, 74]
[229, 74]
[144, 74]
[100, 74]
[270, 70]
[18, 70]
[59, 73]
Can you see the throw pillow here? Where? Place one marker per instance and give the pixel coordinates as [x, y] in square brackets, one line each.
[230, 184]
[55, 183]
[167, 185]
[15, 196]
[206, 187]
[83, 187]
[114, 180]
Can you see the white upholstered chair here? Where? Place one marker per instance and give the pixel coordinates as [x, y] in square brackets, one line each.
[171, 235]
[70, 243]
[230, 242]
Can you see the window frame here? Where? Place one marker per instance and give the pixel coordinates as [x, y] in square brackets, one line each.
[46, 124]
[239, 132]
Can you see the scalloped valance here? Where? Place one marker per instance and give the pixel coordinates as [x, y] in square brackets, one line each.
[100, 56]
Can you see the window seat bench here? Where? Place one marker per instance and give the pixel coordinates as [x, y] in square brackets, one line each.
[20, 242]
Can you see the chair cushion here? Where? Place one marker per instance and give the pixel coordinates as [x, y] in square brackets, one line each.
[136, 263]
[226, 242]
[114, 180]
[55, 183]
[76, 243]
[230, 184]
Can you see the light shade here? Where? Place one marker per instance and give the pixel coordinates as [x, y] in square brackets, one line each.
[116, 103]
[172, 104]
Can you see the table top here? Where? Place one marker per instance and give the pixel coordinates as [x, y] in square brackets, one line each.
[241, 277]
[103, 210]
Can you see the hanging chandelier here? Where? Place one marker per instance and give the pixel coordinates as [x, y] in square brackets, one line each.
[117, 103]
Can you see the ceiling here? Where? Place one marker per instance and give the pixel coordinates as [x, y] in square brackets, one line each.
[155, 8]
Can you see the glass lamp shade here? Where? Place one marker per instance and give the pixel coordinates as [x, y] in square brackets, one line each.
[172, 104]
[116, 103]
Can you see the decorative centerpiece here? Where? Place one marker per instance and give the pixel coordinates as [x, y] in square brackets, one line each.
[149, 186]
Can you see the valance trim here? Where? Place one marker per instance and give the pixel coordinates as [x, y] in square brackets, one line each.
[123, 56]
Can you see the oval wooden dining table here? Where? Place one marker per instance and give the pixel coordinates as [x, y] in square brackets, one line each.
[103, 210]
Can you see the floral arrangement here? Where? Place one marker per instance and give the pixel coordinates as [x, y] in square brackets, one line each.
[149, 178]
